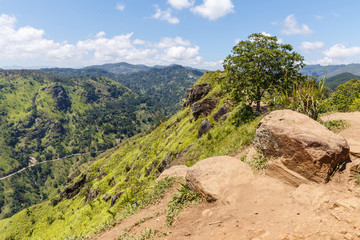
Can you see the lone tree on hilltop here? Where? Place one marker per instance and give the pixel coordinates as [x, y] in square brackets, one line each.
[259, 64]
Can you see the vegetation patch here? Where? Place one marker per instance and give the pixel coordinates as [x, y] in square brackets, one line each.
[185, 197]
[335, 125]
[258, 161]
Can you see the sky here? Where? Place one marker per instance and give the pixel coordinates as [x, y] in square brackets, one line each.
[195, 33]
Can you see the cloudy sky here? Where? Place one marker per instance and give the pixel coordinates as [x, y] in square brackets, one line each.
[197, 33]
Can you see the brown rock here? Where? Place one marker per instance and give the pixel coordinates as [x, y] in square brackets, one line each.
[204, 107]
[204, 128]
[196, 93]
[301, 145]
[213, 177]
[221, 112]
[174, 171]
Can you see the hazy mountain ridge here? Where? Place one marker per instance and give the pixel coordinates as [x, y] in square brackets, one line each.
[331, 70]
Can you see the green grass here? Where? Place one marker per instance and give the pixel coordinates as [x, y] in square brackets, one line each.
[185, 197]
[336, 125]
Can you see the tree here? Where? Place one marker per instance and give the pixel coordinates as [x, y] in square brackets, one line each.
[347, 96]
[260, 64]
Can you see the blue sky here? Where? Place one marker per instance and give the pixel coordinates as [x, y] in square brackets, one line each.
[196, 33]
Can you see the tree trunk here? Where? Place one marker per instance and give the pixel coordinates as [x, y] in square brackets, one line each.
[258, 105]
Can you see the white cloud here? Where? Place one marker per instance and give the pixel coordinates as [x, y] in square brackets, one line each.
[165, 15]
[214, 9]
[291, 27]
[172, 42]
[27, 46]
[306, 46]
[180, 4]
[120, 7]
[139, 42]
[100, 34]
[341, 51]
[319, 17]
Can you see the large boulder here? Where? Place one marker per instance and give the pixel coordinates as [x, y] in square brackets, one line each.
[214, 177]
[204, 107]
[221, 112]
[301, 145]
[196, 93]
[178, 171]
[204, 127]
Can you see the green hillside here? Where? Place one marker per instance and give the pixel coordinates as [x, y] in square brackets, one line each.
[330, 70]
[45, 117]
[166, 86]
[334, 81]
[122, 180]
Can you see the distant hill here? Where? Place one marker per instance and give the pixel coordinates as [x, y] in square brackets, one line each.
[120, 68]
[165, 85]
[331, 70]
[334, 81]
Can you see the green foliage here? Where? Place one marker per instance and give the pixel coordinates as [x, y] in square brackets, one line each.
[335, 125]
[183, 198]
[346, 97]
[307, 97]
[260, 64]
[334, 81]
[244, 114]
[258, 161]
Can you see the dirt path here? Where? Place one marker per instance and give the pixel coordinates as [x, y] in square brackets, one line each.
[265, 208]
[352, 133]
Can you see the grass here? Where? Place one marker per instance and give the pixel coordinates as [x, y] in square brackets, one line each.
[336, 125]
[259, 161]
[182, 199]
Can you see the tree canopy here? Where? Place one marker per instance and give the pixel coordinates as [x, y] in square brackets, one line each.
[259, 64]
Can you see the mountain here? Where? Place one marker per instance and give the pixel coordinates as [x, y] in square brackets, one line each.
[45, 116]
[122, 180]
[165, 85]
[120, 68]
[331, 70]
[334, 81]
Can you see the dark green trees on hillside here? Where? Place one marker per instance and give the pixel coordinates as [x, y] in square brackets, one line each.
[259, 64]
[347, 96]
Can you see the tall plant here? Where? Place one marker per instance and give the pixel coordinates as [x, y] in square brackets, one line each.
[306, 97]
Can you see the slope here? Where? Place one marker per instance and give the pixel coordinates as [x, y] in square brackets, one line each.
[330, 70]
[122, 180]
[47, 117]
[166, 86]
[334, 81]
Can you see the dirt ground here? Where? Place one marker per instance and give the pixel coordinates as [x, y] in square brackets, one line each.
[265, 208]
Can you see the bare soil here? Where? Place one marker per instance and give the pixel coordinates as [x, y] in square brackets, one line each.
[266, 208]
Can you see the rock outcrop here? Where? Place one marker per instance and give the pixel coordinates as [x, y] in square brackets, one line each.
[212, 177]
[204, 127]
[73, 189]
[300, 145]
[61, 98]
[204, 107]
[221, 112]
[196, 93]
